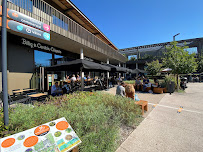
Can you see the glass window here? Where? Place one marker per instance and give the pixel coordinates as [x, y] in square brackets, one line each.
[25, 4]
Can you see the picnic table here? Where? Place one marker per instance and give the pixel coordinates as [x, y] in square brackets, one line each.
[37, 95]
[21, 91]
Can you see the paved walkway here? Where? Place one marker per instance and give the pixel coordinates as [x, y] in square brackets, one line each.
[167, 130]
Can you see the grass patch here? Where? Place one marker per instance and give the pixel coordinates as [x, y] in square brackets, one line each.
[130, 82]
[96, 117]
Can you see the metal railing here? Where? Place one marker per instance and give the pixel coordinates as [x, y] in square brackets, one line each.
[63, 25]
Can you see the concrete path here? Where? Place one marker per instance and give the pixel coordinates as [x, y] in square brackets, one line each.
[174, 125]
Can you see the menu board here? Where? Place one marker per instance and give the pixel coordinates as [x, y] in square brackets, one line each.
[54, 136]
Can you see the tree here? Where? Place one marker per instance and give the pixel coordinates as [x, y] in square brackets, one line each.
[179, 60]
[132, 58]
[153, 67]
[200, 64]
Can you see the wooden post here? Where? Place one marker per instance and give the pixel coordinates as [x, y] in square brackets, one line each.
[75, 149]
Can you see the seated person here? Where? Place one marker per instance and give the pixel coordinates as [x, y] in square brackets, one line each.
[120, 90]
[130, 91]
[78, 78]
[73, 78]
[88, 77]
[56, 90]
[65, 88]
[67, 78]
[138, 83]
[146, 80]
[156, 83]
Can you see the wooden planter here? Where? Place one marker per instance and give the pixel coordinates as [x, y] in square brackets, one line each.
[158, 90]
[147, 89]
[165, 90]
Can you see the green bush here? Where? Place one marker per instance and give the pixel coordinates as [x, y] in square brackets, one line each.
[169, 78]
[96, 117]
[130, 82]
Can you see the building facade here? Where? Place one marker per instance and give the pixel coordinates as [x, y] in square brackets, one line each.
[71, 33]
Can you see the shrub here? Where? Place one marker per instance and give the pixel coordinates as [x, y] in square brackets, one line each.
[130, 82]
[96, 117]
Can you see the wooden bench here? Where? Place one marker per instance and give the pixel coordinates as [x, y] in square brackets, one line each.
[75, 149]
[143, 104]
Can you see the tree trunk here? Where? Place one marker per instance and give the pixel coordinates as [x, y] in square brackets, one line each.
[177, 83]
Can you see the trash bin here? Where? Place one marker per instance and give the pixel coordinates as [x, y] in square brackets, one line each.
[171, 87]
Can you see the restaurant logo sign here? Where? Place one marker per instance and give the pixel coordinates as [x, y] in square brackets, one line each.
[17, 16]
[34, 45]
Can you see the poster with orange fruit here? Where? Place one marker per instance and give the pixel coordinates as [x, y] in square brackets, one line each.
[54, 136]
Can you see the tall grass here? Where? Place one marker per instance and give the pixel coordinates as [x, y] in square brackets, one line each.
[96, 117]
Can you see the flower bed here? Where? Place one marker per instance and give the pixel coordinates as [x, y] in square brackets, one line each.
[96, 117]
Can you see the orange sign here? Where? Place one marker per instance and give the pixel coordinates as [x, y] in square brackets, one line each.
[42, 130]
[31, 141]
[8, 142]
[62, 125]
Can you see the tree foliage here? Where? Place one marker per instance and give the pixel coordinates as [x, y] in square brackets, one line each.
[179, 60]
[200, 64]
[153, 67]
[132, 58]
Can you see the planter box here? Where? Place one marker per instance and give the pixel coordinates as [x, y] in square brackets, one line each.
[158, 90]
[165, 90]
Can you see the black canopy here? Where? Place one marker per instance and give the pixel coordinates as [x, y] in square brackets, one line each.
[138, 71]
[76, 65]
[116, 68]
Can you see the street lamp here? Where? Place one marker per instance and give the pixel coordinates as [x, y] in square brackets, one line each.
[175, 36]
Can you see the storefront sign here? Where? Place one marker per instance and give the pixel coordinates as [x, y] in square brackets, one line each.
[55, 136]
[34, 45]
[17, 16]
[22, 28]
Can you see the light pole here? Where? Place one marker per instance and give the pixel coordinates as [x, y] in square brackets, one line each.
[4, 62]
[175, 36]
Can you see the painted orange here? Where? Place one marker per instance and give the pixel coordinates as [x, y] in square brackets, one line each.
[62, 125]
[31, 141]
[41, 129]
[179, 110]
[8, 142]
[15, 14]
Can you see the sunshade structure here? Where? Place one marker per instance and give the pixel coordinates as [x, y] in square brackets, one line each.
[117, 68]
[138, 71]
[78, 65]
[167, 70]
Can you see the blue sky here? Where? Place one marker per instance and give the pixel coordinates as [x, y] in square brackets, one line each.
[132, 23]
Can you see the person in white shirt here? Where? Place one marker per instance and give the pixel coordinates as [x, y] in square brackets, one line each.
[73, 78]
[120, 90]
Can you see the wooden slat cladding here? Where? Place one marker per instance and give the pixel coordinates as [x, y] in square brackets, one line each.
[65, 26]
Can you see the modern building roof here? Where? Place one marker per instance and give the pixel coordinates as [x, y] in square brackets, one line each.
[72, 11]
[158, 46]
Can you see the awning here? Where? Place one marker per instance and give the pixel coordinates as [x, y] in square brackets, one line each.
[76, 66]
[138, 71]
[115, 68]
